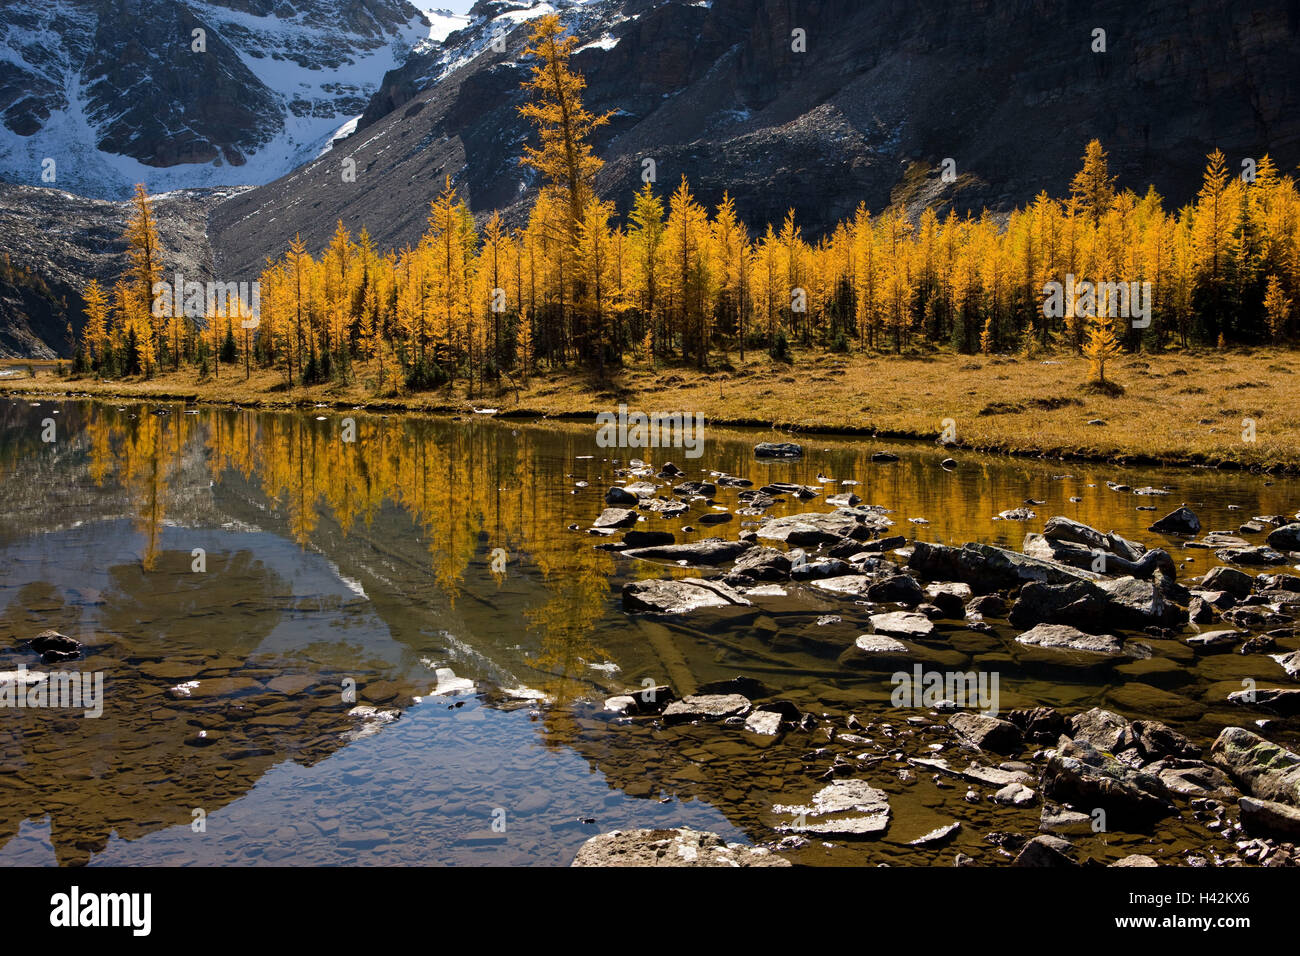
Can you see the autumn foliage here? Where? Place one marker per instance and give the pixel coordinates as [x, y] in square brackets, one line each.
[476, 301]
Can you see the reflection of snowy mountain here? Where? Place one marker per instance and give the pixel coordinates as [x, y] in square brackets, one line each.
[177, 94]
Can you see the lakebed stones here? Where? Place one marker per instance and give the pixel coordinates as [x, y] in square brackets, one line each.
[1270, 818]
[1066, 638]
[1214, 640]
[987, 733]
[1046, 850]
[679, 596]
[678, 847]
[1262, 768]
[822, 528]
[1079, 556]
[1234, 582]
[896, 589]
[1260, 555]
[761, 564]
[870, 650]
[907, 624]
[987, 568]
[1084, 776]
[706, 707]
[615, 518]
[710, 552]
[845, 808]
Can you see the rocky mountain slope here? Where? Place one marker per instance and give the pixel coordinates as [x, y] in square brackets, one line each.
[885, 92]
[56, 242]
[186, 93]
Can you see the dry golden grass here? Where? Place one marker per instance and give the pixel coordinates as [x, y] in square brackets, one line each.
[1177, 407]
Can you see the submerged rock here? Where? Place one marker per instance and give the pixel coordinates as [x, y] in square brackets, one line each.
[615, 518]
[855, 809]
[816, 528]
[1214, 639]
[1178, 521]
[620, 496]
[1065, 637]
[706, 707]
[764, 722]
[786, 449]
[1251, 556]
[55, 647]
[870, 649]
[648, 539]
[710, 552]
[907, 624]
[937, 835]
[679, 597]
[1275, 700]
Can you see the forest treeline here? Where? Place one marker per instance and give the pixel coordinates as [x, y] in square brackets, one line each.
[679, 282]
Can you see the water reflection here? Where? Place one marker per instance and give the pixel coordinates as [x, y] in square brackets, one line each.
[235, 572]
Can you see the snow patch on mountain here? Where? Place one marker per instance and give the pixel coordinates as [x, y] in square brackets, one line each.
[316, 70]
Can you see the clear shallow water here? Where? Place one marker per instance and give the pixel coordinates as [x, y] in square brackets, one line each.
[373, 564]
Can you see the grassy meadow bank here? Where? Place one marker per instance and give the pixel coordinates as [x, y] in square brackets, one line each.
[1179, 407]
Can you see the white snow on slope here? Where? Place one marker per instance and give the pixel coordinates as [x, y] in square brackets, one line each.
[69, 136]
[444, 22]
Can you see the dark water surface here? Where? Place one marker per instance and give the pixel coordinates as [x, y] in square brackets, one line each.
[228, 734]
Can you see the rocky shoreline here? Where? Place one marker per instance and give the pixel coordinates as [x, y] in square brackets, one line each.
[1073, 598]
